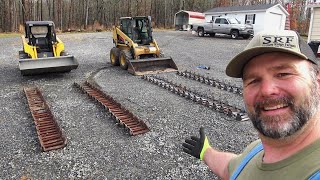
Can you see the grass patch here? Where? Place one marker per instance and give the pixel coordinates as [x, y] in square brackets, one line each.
[5, 35]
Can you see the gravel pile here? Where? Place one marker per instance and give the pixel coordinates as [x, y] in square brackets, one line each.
[97, 148]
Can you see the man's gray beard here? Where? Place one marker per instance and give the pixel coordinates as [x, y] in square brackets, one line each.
[279, 129]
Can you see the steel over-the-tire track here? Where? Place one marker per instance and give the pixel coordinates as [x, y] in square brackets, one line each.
[124, 117]
[49, 133]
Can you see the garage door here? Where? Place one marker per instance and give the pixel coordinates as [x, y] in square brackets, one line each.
[273, 21]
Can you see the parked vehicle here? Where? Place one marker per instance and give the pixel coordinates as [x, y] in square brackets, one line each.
[224, 25]
[43, 51]
[136, 50]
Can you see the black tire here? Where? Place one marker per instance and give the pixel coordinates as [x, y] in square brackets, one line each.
[23, 55]
[161, 55]
[212, 34]
[114, 56]
[200, 32]
[125, 56]
[247, 36]
[234, 34]
[63, 53]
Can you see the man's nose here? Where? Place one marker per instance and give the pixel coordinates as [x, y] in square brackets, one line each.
[268, 87]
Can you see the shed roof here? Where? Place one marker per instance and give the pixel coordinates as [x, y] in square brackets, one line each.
[192, 13]
[240, 8]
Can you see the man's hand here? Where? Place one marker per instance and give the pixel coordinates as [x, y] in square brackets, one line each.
[196, 146]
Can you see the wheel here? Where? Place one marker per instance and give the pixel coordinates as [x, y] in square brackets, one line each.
[212, 34]
[247, 36]
[161, 55]
[23, 55]
[234, 34]
[114, 56]
[125, 56]
[63, 53]
[200, 32]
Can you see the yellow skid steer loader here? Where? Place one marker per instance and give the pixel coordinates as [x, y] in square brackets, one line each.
[135, 49]
[43, 52]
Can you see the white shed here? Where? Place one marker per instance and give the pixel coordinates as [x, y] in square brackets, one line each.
[184, 19]
[262, 17]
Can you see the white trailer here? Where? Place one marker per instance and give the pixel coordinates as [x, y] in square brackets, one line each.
[183, 20]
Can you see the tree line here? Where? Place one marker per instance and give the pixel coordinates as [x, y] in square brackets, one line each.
[94, 15]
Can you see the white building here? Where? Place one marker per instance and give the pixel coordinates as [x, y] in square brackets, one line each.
[314, 27]
[184, 19]
[262, 17]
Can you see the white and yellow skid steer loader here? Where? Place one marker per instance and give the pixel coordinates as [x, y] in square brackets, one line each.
[43, 51]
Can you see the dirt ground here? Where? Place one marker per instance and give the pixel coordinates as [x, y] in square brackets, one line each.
[97, 148]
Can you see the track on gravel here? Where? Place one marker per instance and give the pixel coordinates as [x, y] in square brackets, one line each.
[96, 147]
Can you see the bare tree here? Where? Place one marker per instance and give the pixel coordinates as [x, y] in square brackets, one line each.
[84, 14]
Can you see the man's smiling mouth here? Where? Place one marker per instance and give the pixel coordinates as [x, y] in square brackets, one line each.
[270, 108]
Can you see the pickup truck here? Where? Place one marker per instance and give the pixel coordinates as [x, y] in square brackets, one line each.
[224, 25]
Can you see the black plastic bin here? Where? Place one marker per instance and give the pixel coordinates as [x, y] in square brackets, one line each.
[314, 46]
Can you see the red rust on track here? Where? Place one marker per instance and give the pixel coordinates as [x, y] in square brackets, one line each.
[49, 133]
[122, 116]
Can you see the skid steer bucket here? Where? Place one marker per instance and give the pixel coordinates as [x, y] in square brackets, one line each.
[47, 65]
[151, 66]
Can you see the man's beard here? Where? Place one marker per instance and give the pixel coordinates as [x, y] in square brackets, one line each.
[280, 126]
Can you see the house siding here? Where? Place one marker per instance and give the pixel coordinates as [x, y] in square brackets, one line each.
[315, 32]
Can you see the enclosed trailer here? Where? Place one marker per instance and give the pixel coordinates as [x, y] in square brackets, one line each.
[183, 20]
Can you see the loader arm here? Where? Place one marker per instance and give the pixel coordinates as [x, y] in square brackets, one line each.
[58, 47]
[31, 50]
[117, 33]
[154, 42]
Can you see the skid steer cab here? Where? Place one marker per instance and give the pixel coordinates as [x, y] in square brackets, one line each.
[43, 51]
[135, 49]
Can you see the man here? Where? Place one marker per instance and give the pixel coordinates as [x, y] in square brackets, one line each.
[281, 91]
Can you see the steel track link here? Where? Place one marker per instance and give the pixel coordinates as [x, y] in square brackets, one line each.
[216, 105]
[120, 114]
[212, 82]
[49, 133]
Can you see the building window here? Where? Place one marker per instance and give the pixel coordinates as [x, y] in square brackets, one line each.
[250, 18]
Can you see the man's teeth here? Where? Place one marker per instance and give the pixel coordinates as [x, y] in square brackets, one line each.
[275, 107]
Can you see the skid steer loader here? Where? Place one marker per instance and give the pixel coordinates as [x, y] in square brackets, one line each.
[135, 49]
[43, 52]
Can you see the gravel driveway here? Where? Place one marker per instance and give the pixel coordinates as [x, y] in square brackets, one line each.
[97, 148]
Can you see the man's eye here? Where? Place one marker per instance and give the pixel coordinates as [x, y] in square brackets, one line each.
[252, 81]
[282, 74]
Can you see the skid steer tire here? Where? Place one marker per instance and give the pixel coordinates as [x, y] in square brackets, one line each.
[114, 56]
[23, 55]
[125, 56]
[161, 55]
[63, 53]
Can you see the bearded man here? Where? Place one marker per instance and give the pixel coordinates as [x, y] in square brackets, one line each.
[281, 91]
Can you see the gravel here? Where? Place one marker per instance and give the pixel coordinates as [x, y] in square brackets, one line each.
[97, 148]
